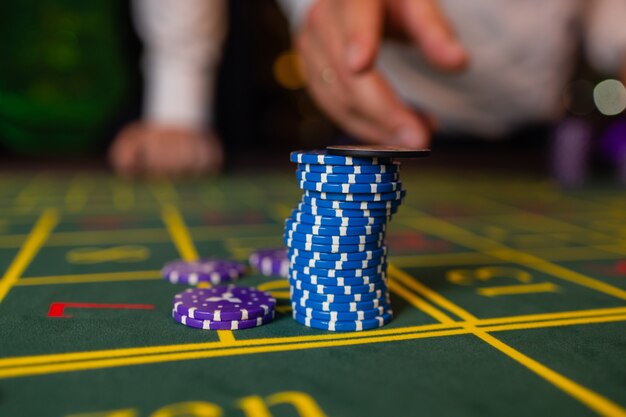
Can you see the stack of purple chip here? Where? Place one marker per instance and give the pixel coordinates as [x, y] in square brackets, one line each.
[213, 271]
[223, 308]
[270, 262]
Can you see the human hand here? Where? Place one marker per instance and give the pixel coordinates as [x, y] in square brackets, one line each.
[144, 149]
[338, 43]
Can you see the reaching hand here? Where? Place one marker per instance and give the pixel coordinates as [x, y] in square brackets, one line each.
[338, 43]
[143, 149]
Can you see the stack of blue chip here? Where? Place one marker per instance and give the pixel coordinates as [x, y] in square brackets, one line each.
[336, 240]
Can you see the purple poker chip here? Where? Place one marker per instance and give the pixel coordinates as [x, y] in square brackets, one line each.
[222, 304]
[271, 262]
[222, 325]
[571, 152]
[214, 271]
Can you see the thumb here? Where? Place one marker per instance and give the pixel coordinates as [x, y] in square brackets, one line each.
[361, 24]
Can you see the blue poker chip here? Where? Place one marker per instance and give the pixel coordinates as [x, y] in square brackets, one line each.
[334, 240]
[344, 290]
[353, 169]
[350, 205]
[353, 306]
[335, 298]
[351, 223]
[313, 263]
[333, 273]
[354, 256]
[296, 275]
[302, 222]
[344, 326]
[320, 157]
[392, 196]
[312, 247]
[345, 188]
[329, 212]
[339, 281]
[340, 315]
[321, 177]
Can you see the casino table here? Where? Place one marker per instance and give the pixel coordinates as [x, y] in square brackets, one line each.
[509, 298]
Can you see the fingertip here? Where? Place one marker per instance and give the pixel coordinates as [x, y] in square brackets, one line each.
[446, 53]
[410, 137]
[361, 54]
[353, 57]
[455, 56]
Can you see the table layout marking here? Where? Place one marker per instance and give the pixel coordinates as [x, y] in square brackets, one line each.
[35, 240]
[57, 308]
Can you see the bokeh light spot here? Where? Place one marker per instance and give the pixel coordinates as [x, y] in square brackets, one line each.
[287, 71]
[610, 97]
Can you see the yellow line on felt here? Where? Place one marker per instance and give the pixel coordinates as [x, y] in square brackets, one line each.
[536, 318]
[123, 195]
[226, 337]
[495, 324]
[557, 271]
[90, 278]
[419, 302]
[40, 232]
[439, 259]
[77, 194]
[461, 236]
[426, 292]
[164, 192]
[554, 323]
[143, 351]
[229, 351]
[518, 289]
[179, 233]
[247, 347]
[29, 195]
[182, 239]
[591, 399]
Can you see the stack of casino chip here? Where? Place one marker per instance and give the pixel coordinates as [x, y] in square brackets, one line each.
[223, 308]
[336, 240]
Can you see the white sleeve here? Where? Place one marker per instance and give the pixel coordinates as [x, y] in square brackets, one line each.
[295, 10]
[606, 35]
[183, 42]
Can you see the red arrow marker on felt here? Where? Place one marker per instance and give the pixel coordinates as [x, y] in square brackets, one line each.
[57, 308]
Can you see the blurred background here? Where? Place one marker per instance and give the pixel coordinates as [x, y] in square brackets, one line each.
[70, 79]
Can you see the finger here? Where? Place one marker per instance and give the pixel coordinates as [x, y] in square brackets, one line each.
[431, 32]
[212, 159]
[376, 103]
[124, 152]
[325, 40]
[363, 105]
[329, 91]
[164, 153]
[360, 23]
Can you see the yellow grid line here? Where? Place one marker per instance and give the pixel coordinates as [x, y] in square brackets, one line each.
[90, 278]
[46, 364]
[40, 232]
[461, 236]
[588, 397]
[491, 324]
[594, 401]
[77, 194]
[182, 239]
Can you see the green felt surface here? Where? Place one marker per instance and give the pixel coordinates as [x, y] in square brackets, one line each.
[509, 299]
